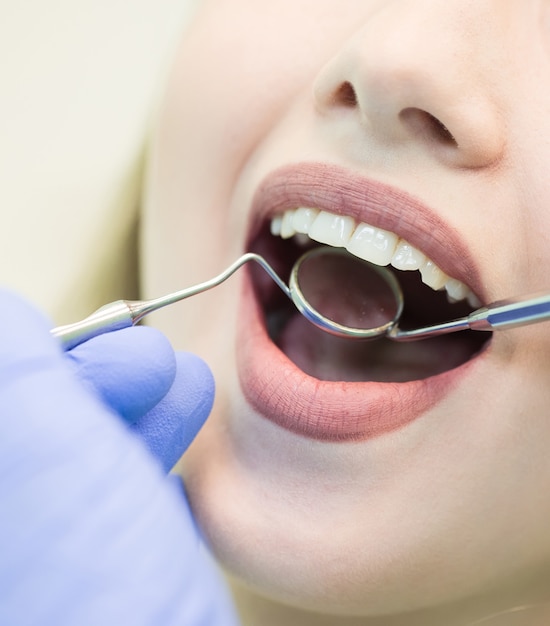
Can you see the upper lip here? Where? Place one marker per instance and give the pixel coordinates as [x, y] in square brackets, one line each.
[337, 190]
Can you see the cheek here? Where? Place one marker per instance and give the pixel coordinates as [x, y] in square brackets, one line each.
[531, 246]
[240, 67]
[231, 80]
[225, 88]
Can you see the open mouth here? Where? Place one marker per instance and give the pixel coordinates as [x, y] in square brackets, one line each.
[332, 389]
[430, 295]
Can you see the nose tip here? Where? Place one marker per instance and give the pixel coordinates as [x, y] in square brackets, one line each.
[402, 81]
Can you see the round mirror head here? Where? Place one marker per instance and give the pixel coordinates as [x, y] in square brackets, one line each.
[345, 295]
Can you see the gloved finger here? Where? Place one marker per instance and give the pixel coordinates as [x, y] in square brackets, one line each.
[131, 370]
[170, 427]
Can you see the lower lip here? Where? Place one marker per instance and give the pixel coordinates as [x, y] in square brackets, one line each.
[327, 411]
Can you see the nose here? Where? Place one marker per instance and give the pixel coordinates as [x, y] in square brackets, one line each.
[425, 71]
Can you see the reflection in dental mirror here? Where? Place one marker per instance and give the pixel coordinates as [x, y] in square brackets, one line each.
[345, 295]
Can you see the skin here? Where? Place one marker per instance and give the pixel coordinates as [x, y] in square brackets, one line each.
[444, 520]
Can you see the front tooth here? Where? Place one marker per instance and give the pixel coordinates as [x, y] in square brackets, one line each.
[473, 300]
[456, 290]
[433, 276]
[303, 219]
[407, 257]
[372, 244]
[334, 230]
[276, 224]
[287, 229]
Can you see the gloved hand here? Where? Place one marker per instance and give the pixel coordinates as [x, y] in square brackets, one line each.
[91, 531]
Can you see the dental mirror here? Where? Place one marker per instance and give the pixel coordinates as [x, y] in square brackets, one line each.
[344, 295]
[336, 291]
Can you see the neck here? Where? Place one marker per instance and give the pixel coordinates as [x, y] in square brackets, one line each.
[255, 610]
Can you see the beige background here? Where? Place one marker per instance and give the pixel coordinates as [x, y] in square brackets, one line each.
[79, 82]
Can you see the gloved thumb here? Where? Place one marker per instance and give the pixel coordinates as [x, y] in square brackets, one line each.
[131, 370]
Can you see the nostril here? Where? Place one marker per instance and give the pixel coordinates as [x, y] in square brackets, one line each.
[345, 95]
[441, 130]
[428, 125]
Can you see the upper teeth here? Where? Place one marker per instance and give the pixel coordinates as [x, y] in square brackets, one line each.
[375, 245]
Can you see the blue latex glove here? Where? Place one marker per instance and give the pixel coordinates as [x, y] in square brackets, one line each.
[91, 530]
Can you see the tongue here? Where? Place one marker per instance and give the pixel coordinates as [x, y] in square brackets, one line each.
[331, 358]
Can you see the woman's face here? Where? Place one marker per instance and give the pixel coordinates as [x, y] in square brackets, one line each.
[369, 479]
